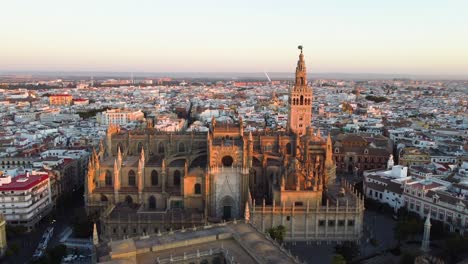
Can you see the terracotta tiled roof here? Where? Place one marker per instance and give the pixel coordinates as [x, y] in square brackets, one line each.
[21, 182]
[446, 197]
[375, 186]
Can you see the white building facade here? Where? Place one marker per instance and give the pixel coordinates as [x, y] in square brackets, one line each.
[25, 199]
[421, 195]
[386, 186]
[119, 117]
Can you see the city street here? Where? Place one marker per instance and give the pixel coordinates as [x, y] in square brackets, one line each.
[380, 227]
[27, 243]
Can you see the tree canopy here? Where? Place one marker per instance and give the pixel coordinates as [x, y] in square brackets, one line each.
[349, 250]
[338, 259]
[377, 99]
[277, 233]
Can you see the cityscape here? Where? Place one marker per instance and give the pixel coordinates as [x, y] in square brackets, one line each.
[125, 161]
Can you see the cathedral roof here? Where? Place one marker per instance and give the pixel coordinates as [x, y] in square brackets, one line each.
[273, 162]
[155, 160]
[361, 150]
[200, 161]
[177, 163]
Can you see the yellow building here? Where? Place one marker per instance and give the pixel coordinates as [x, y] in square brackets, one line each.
[3, 241]
[413, 156]
[60, 99]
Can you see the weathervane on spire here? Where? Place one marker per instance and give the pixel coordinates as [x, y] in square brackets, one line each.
[300, 47]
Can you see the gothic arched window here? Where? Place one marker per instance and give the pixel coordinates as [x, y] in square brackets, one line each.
[161, 148]
[128, 200]
[177, 178]
[131, 178]
[288, 149]
[181, 147]
[108, 178]
[154, 178]
[302, 81]
[301, 100]
[140, 146]
[152, 202]
[197, 188]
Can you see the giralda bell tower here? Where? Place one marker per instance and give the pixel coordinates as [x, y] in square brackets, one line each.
[300, 100]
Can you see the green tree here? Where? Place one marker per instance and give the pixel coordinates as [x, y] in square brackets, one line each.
[349, 250]
[407, 258]
[92, 113]
[13, 231]
[377, 99]
[407, 227]
[56, 254]
[277, 233]
[454, 247]
[83, 228]
[41, 260]
[338, 259]
[14, 248]
[400, 232]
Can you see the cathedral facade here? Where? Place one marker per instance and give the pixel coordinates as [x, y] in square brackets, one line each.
[144, 181]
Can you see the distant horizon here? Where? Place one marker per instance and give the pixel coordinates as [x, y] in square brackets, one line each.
[415, 37]
[234, 75]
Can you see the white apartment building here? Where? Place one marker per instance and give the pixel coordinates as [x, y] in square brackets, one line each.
[26, 116]
[25, 199]
[56, 116]
[119, 117]
[385, 186]
[428, 195]
[445, 202]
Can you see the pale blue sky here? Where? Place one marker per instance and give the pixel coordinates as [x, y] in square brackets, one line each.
[352, 36]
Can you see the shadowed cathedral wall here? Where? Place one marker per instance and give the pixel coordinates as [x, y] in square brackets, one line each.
[175, 148]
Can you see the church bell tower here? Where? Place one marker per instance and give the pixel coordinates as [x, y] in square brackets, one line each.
[300, 100]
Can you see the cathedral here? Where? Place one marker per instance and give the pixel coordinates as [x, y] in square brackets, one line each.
[146, 181]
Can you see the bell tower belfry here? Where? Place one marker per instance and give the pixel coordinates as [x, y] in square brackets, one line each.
[300, 100]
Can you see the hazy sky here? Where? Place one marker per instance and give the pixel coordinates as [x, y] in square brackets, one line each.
[350, 36]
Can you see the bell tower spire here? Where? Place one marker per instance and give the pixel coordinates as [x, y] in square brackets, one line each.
[300, 100]
[301, 72]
